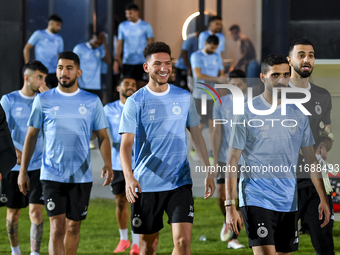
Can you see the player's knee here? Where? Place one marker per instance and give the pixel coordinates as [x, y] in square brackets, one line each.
[13, 215]
[182, 242]
[36, 215]
[121, 202]
[73, 228]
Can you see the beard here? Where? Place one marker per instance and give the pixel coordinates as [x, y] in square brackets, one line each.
[70, 84]
[209, 52]
[303, 74]
[153, 76]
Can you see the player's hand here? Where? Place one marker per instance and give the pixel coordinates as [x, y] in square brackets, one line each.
[19, 155]
[130, 189]
[209, 187]
[102, 37]
[109, 175]
[233, 219]
[43, 88]
[324, 212]
[115, 66]
[23, 183]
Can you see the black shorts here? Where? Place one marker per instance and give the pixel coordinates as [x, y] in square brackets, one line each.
[118, 183]
[147, 211]
[308, 203]
[70, 198]
[135, 71]
[204, 119]
[268, 227]
[220, 179]
[11, 196]
[182, 79]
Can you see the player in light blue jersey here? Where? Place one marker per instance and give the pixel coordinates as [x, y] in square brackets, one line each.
[207, 67]
[91, 55]
[67, 116]
[183, 66]
[270, 147]
[215, 26]
[133, 36]
[17, 106]
[156, 117]
[113, 111]
[47, 45]
[220, 145]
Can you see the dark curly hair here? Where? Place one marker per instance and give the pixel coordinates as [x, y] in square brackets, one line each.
[156, 47]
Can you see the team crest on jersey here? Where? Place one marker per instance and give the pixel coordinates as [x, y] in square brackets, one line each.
[292, 128]
[50, 205]
[176, 109]
[18, 111]
[318, 108]
[82, 109]
[97, 54]
[136, 221]
[262, 231]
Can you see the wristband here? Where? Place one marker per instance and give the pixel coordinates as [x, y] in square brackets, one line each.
[229, 202]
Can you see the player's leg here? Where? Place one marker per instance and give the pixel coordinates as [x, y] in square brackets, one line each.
[180, 210]
[71, 239]
[148, 243]
[55, 202]
[36, 205]
[181, 234]
[15, 201]
[322, 238]
[57, 234]
[264, 250]
[78, 197]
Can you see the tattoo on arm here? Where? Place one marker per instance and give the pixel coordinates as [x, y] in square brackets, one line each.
[12, 231]
[36, 236]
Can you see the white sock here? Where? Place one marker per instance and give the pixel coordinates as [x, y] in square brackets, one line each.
[16, 250]
[135, 238]
[123, 234]
[34, 253]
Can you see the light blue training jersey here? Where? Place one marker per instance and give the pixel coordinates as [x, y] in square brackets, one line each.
[17, 108]
[210, 65]
[90, 64]
[67, 121]
[203, 36]
[135, 36]
[190, 45]
[47, 46]
[159, 122]
[270, 145]
[113, 112]
[225, 113]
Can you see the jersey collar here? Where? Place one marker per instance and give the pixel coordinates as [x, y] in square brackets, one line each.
[89, 45]
[68, 94]
[159, 94]
[135, 23]
[293, 86]
[48, 32]
[268, 104]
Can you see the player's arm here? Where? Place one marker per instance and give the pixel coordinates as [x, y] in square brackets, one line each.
[186, 61]
[316, 178]
[27, 49]
[106, 58]
[201, 150]
[233, 219]
[118, 56]
[216, 142]
[126, 161]
[27, 152]
[105, 151]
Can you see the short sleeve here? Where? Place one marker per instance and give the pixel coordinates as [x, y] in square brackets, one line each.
[102, 51]
[220, 62]
[34, 38]
[238, 134]
[61, 45]
[100, 121]
[222, 43]
[128, 122]
[307, 139]
[201, 41]
[7, 109]
[149, 31]
[120, 32]
[186, 45]
[36, 118]
[77, 50]
[192, 119]
[195, 61]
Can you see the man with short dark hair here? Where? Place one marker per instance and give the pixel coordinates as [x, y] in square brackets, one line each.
[157, 117]
[67, 116]
[268, 195]
[91, 54]
[17, 106]
[113, 111]
[133, 36]
[47, 45]
[301, 58]
[215, 27]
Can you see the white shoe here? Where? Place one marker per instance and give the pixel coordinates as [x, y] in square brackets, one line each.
[234, 244]
[225, 233]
